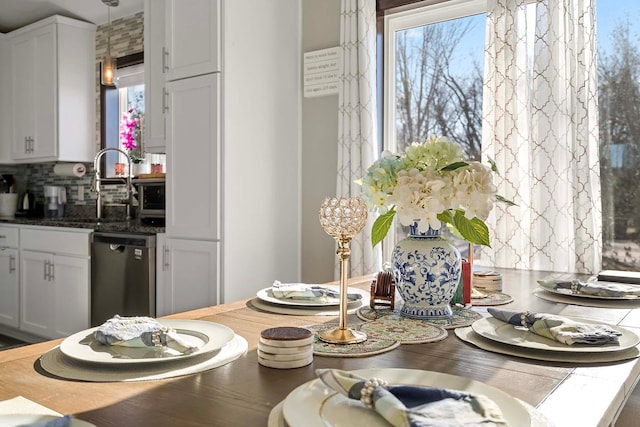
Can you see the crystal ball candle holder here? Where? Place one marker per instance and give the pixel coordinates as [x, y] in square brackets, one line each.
[342, 218]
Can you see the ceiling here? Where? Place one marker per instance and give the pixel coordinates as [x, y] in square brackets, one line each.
[18, 13]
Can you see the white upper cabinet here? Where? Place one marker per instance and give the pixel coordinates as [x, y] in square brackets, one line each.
[6, 132]
[193, 170]
[154, 89]
[53, 81]
[192, 38]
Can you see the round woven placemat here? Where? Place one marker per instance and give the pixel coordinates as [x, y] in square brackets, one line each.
[492, 298]
[375, 344]
[404, 330]
[461, 317]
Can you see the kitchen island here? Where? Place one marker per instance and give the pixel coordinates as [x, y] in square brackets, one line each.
[243, 392]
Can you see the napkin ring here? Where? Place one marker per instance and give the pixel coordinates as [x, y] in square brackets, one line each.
[366, 394]
[156, 336]
[523, 319]
[574, 286]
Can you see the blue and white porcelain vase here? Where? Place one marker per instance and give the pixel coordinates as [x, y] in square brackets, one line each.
[427, 271]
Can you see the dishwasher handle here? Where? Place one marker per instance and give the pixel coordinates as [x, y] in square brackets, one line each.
[124, 239]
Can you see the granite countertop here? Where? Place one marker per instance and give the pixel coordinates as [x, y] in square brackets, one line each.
[117, 225]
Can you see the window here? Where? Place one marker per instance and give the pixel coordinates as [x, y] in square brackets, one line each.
[433, 75]
[125, 99]
[433, 60]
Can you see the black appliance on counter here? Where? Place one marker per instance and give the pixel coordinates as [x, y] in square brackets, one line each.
[151, 200]
[27, 206]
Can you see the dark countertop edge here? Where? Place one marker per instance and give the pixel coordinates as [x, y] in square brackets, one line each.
[130, 226]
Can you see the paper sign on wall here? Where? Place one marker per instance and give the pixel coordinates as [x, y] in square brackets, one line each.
[322, 72]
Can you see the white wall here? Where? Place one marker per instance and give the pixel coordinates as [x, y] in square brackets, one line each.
[321, 29]
[261, 145]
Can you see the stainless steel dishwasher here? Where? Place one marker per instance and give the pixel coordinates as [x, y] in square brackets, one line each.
[123, 275]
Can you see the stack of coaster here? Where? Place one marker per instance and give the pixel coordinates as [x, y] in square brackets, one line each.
[285, 347]
[487, 281]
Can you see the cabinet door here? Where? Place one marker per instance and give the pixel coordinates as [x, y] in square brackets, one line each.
[9, 287]
[190, 275]
[36, 292]
[70, 303]
[23, 61]
[35, 74]
[192, 184]
[154, 89]
[192, 38]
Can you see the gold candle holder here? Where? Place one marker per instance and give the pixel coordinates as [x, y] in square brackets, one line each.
[342, 218]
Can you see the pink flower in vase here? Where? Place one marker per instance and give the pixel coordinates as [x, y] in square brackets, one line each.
[129, 130]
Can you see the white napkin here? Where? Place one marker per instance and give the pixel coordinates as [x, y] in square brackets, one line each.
[141, 332]
[302, 291]
[20, 406]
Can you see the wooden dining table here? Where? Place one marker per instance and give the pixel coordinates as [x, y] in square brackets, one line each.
[242, 392]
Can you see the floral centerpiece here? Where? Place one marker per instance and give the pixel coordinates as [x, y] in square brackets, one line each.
[130, 133]
[433, 183]
[429, 184]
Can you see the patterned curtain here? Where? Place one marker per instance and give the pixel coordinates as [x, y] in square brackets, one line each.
[357, 131]
[541, 127]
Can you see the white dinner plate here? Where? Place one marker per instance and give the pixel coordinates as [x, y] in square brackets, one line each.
[266, 295]
[315, 405]
[567, 292]
[15, 420]
[207, 335]
[505, 333]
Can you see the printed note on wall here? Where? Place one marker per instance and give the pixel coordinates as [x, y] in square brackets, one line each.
[322, 72]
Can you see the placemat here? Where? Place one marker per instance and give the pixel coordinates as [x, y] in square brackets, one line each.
[461, 317]
[492, 298]
[258, 305]
[375, 344]
[276, 416]
[586, 302]
[404, 330]
[62, 366]
[468, 335]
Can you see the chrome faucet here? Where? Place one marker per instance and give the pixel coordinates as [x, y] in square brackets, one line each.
[97, 179]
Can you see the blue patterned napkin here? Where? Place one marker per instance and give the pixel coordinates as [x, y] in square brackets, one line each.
[597, 289]
[558, 328]
[140, 332]
[415, 406]
[315, 293]
[56, 422]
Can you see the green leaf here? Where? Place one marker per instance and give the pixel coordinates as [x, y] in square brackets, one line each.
[494, 166]
[454, 166]
[472, 230]
[381, 226]
[507, 201]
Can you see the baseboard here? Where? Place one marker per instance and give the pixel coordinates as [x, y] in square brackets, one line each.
[20, 335]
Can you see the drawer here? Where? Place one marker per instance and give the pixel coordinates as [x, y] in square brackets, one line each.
[9, 237]
[54, 241]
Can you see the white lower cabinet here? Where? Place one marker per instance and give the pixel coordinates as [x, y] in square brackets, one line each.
[9, 287]
[9, 277]
[187, 276]
[54, 286]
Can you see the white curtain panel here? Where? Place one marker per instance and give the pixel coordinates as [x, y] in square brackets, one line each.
[541, 127]
[357, 130]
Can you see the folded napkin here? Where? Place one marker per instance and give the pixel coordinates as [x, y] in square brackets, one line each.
[56, 422]
[415, 406]
[302, 291]
[558, 328]
[141, 332]
[20, 406]
[599, 289]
